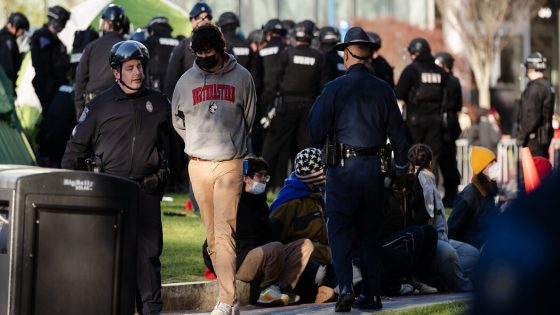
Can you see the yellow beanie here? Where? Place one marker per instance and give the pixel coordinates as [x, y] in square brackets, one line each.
[480, 158]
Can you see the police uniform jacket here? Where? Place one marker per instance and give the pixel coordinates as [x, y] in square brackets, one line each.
[50, 60]
[454, 105]
[94, 74]
[535, 113]
[362, 111]
[10, 59]
[383, 70]
[181, 60]
[422, 73]
[270, 56]
[160, 48]
[334, 65]
[301, 73]
[124, 132]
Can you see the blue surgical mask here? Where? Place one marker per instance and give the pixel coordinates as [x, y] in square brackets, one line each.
[257, 188]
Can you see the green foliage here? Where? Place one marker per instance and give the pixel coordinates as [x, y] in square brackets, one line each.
[452, 308]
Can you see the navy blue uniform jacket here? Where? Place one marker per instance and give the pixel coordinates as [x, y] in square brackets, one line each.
[363, 111]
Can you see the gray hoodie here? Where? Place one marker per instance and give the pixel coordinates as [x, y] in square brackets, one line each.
[214, 112]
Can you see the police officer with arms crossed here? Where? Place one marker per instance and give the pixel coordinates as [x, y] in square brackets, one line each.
[422, 87]
[10, 58]
[298, 83]
[182, 57]
[49, 56]
[93, 74]
[534, 123]
[359, 111]
[126, 127]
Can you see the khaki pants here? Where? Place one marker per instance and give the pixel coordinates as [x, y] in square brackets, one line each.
[217, 189]
[276, 263]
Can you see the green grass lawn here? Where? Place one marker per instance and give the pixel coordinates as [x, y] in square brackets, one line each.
[453, 308]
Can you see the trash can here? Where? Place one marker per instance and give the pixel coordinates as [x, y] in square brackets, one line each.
[67, 242]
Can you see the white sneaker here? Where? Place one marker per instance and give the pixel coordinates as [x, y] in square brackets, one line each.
[225, 309]
[272, 296]
[422, 288]
[406, 289]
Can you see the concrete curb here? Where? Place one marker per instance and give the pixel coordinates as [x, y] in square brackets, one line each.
[196, 296]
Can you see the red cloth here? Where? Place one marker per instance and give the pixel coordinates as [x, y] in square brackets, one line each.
[543, 166]
[209, 274]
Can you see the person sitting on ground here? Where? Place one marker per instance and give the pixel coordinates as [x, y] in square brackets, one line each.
[273, 267]
[454, 260]
[474, 207]
[298, 213]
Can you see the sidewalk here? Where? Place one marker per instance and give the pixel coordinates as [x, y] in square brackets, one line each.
[389, 303]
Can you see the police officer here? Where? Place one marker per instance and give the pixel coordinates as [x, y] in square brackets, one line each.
[382, 68]
[236, 44]
[422, 88]
[10, 58]
[534, 122]
[125, 127]
[49, 56]
[451, 129]
[359, 111]
[334, 65]
[182, 57]
[81, 40]
[160, 44]
[93, 74]
[300, 80]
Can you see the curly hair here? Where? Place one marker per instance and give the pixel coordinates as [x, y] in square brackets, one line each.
[207, 36]
[420, 155]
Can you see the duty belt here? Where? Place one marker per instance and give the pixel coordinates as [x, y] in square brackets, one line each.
[348, 152]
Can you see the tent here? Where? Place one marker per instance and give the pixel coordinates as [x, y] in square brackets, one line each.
[87, 13]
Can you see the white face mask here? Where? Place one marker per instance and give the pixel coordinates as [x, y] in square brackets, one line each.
[493, 171]
[257, 188]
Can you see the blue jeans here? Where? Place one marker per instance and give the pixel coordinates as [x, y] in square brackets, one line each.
[454, 262]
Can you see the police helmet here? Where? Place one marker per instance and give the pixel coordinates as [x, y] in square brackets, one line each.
[58, 16]
[289, 25]
[114, 15]
[228, 20]
[140, 35]
[200, 7]
[159, 23]
[375, 38]
[444, 59]
[535, 61]
[207, 36]
[255, 36]
[304, 30]
[19, 21]
[128, 50]
[329, 35]
[274, 26]
[419, 45]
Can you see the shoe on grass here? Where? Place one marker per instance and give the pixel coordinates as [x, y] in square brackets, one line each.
[272, 296]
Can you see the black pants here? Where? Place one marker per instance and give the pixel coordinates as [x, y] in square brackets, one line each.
[150, 245]
[287, 135]
[448, 166]
[427, 129]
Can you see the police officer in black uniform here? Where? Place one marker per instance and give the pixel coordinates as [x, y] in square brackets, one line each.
[93, 74]
[182, 57]
[160, 44]
[422, 87]
[235, 44]
[300, 80]
[10, 58]
[382, 69]
[451, 129]
[49, 56]
[125, 127]
[356, 112]
[334, 65]
[81, 40]
[534, 123]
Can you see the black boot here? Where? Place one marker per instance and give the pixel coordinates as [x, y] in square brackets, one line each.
[368, 302]
[345, 300]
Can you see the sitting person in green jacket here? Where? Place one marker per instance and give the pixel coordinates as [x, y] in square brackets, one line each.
[297, 213]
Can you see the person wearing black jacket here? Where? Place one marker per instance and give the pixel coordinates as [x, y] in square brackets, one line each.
[382, 69]
[126, 127]
[299, 81]
[160, 44]
[10, 58]
[422, 87]
[451, 129]
[49, 57]
[93, 74]
[182, 57]
[534, 127]
[334, 65]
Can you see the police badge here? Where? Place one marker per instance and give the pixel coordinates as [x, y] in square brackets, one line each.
[213, 108]
[149, 106]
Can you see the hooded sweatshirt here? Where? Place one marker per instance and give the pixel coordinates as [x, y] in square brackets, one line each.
[213, 112]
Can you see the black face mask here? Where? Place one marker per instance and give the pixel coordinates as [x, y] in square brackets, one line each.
[207, 63]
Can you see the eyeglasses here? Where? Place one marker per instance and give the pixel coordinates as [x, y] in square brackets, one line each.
[262, 177]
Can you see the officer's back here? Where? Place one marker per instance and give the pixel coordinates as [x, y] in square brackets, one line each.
[160, 44]
[270, 56]
[334, 65]
[235, 43]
